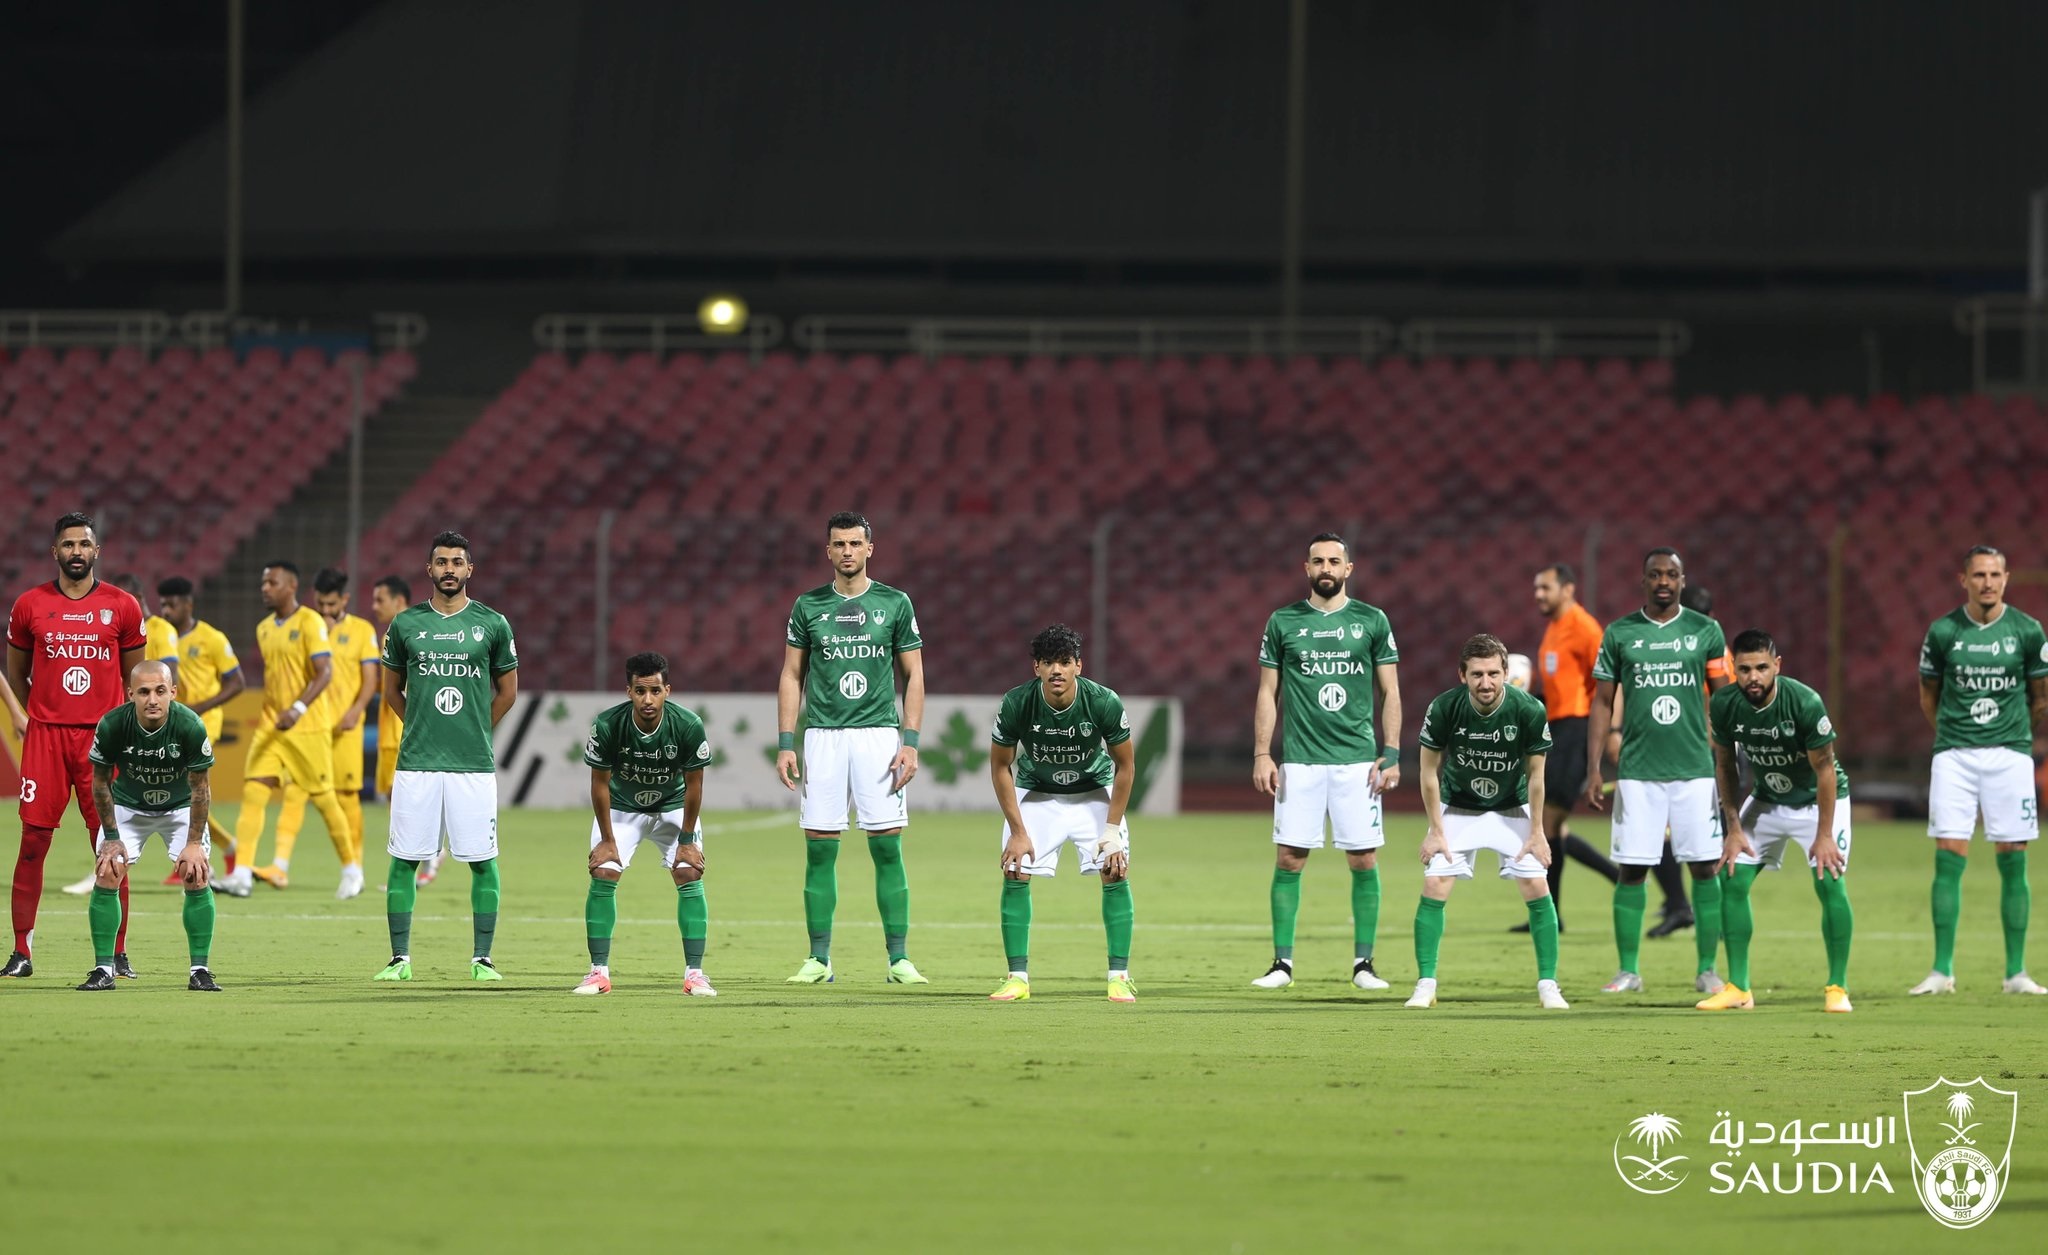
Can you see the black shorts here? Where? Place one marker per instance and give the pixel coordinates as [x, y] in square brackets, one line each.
[1564, 771]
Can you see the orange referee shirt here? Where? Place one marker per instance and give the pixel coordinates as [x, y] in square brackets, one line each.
[1565, 661]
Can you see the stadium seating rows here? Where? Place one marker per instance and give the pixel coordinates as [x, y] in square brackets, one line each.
[993, 482]
[180, 457]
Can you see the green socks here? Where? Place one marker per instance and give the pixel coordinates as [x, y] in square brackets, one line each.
[483, 905]
[2015, 902]
[1286, 909]
[693, 916]
[1429, 935]
[821, 893]
[1738, 922]
[1706, 929]
[1837, 922]
[1365, 910]
[1628, 923]
[400, 892]
[1543, 932]
[104, 914]
[199, 925]
[892, 892]
[600, 917]
[1017, 923]
[1116, 921]
[1947, 903]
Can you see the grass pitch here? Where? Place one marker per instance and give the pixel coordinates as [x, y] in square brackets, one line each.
[306, 1109]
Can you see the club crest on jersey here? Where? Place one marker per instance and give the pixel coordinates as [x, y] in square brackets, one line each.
[1511, 732]
[1692, 642]
[1087, 728]
[1358, 631]
[2011, 646]
[880, 617]
[107, 617]
[669, 750]
[477, 634]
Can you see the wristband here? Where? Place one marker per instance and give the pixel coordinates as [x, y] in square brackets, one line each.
[300, 707]
[1390, 756]
[785, 740]
[910, 738]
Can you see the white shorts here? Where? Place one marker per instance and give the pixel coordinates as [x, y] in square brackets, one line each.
[1997, 781]
[134, 829]
[839, 761]
[630, 828]
[1054, 819]
[1340, 792]
[427, 805]
[1503, 832]
[1645, 809]
[1772, 827]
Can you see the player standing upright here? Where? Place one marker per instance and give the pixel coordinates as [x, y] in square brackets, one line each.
[1071, 783]
[388, 598]
[209, 676]
[647, 757]
[1564, 663]
[1318, 662]
[1664, 657]
[1483, 745]
[457, 658]
[1983, 688]
[1801, 795]
[70, 646]
[150, 763]
[846, 641]
[353, 649]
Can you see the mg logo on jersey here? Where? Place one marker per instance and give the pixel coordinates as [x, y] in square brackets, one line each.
[1983, 710]
[1486, 787]
[647, 797]
[1332, 697]
[1665, 710]
[853, 686]
[1065, 777]
[1778, 782]
[1953, 1174]
[156, 797]
[77, 680]
[449, 700]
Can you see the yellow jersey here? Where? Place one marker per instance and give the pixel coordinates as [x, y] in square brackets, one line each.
[289, 646]
[354, 643]
[159, 639]
[205, 656]
[389, 726]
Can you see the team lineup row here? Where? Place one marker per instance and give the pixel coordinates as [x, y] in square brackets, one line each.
[1500, 769]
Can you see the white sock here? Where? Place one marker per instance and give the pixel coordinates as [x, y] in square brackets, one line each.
[1120, 974]
[284, 864]
[1023, 976]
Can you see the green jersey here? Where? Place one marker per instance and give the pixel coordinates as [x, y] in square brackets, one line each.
[1984, 669]
[1776, 736]
[1326, 661]
[647, 767]
[1484, 765]
[446, 663]
[1661, 668]
[152, 767]
[852, 643]
[1062, 751]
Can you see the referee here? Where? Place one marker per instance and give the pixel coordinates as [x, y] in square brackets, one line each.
[1564, 675]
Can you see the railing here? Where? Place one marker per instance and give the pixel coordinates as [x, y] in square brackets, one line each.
[201, 329]
[655, 333]
[2020, 368]
[1140, 337]
[208, 329]
[1545, 338]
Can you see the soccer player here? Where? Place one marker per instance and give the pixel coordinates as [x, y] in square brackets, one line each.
[151, 760]
[1072, 783]
[1663, 657]
[1319, 660]
[1975, 664]
[209, 676]
[70, 645]
[293, 736]
[1801, 795]
[847, 639]
[647, 757]
[458, 657]
[1483, 749]
[1564, 663]
[354, 651]
[388, 597]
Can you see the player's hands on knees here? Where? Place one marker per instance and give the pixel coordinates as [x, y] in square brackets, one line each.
[112, 861]
[1828, 859]
[1017, 856]
[786, 769]
[1537, 846]
[603, 852]
[1116, 866]
[1266, 775]
[193, 867]
[1737, 843]
[691, 855]
[1433, 844]
[1384, 778]
[903, 768]
[1591, 793]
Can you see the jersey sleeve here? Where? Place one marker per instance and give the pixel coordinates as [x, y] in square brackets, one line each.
[1934, 650]
[1536, 730]
[1716, 646]
[696, 745]
[1719, 722]
[597, 750]
[130, 616]
[799, 627]
[1607, 660]
[313, 634]
[164, 645]
[1004, 732]
[197, 745]
[907, 637]
[1269, 644]
[1116, 721]
[19, 621]
[223, 651]
[1815, 728]
[504, 650]
[2035, 644]
[1432, 725]
[1385, 652]
[103, 757]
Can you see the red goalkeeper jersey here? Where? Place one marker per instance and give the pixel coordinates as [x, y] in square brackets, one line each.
[74, 650]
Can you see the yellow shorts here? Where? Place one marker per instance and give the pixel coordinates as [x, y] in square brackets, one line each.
[307, 758]
[348, 760]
